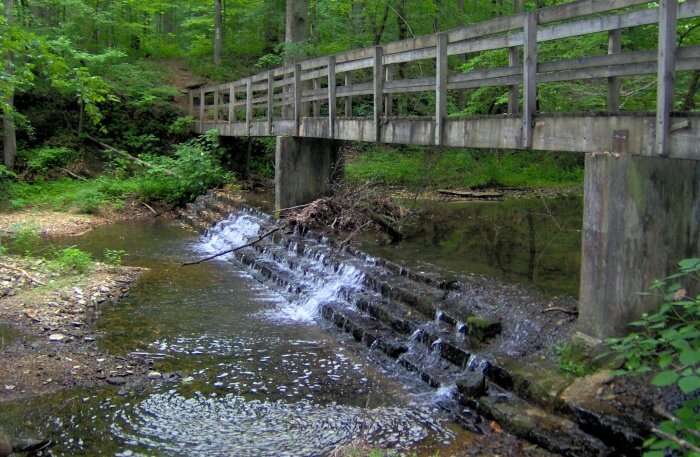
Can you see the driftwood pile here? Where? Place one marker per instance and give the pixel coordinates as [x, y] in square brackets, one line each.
[351, 210]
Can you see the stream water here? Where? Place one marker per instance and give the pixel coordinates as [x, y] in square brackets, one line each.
[259, 374]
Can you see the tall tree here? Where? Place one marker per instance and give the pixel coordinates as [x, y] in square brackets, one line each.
[218, 32]
[297, 26]
[8, 124]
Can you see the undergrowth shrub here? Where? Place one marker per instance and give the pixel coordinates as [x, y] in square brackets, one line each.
[114, 256]
[25, 239]
[6, 177]
[41, 161]
[667, 344]
[71, 260]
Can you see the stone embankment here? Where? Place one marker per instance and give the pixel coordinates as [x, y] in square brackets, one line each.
[487, 343]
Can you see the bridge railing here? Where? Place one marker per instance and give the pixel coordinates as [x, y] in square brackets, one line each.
[286, 95]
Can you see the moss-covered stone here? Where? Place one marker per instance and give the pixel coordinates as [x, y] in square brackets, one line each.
[481, 328]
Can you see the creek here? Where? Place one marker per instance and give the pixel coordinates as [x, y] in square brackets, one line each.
[258, 373]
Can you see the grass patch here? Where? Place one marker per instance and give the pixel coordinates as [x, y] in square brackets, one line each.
[71, 260]
[575, 359]
[417, 167]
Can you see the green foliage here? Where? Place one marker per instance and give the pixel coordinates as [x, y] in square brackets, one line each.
[42, 160]
[574, 359]
[454, 168]
[71, 260]
[181, 126]
[114, 256]
[193, 170]
[6, 177]
[666, 343]
[25, 239]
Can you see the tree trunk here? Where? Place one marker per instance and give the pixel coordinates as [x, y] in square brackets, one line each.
[8, 124]
[218, 32]
[297, 21]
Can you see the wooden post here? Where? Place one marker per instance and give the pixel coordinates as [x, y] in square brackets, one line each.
[216, 104]
[441, 70]
[529, 77]
[331, 96]
[378, 91]
[297, 98]
[614, 47]
[202, 109]
[514, 61]
[231, 104]
[316, 103]
[668, 14]
[191, 103]
[348, 99]
[388, 99]
[249, 104]
[270, 106]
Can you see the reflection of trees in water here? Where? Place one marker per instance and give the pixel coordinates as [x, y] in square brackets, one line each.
[531, 240]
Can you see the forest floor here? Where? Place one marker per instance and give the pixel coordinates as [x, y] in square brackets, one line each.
[47, 338]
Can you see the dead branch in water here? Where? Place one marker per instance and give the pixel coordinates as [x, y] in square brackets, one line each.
[229, 251]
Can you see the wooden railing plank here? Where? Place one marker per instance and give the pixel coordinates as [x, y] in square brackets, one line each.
[378, 78]
[529, 77]
[441, 75]
[331, 96]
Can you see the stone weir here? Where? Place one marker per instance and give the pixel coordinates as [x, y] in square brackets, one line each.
[484, 342]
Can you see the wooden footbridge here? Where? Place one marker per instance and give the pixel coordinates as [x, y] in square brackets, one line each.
[642, 202]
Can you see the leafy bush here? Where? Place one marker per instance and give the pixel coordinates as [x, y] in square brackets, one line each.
[26, 239]
[114, 256]
[71, 260]
[6, 177]
[181, 126]
[42, 160]
[667, 343]
[193, 170]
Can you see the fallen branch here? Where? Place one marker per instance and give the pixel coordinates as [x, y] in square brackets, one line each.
[471, 194]
[70, 173]
[679, 441]
[149, 207]
[22, 272]
[561, 310]
[128, 156]
[229, 251]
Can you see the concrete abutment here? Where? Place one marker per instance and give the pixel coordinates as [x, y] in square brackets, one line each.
[305, 169]
[641, 216]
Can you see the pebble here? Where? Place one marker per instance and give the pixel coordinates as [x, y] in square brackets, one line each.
[154, 375]
[57, 337]
[116, 381]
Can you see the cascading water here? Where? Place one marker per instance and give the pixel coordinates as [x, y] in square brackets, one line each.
[318, 281]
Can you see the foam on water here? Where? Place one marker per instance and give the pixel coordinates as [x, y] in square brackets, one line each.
[319, 283]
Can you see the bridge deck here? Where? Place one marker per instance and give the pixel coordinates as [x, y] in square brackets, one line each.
[289, 100]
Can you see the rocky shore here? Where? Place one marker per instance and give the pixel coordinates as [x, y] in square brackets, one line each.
[47, 338]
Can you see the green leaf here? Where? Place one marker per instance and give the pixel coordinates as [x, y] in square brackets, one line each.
[689, 384]
[665, 378]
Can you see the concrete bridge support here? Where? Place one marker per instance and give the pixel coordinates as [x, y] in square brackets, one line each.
[305, 169]
[641, 216]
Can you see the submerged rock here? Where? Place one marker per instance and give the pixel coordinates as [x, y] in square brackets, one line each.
[472, 384]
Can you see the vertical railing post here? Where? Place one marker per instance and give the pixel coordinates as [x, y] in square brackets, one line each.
[614, 47]
[316, 85]
[668, 16]
[529, 78]
[348, 99]
[297, 99]
[388, 99]
[514, 61]
[231, 104]
[249, 104]
[270, 104]
[331, 96]
[202, 109]
[216, 104]
[191, 103]
[441, 70]
[378, 87]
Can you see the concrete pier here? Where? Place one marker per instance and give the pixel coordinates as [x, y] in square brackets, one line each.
[641, 216]
[305, 169]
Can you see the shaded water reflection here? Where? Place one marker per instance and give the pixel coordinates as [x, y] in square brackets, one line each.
[535, 241]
